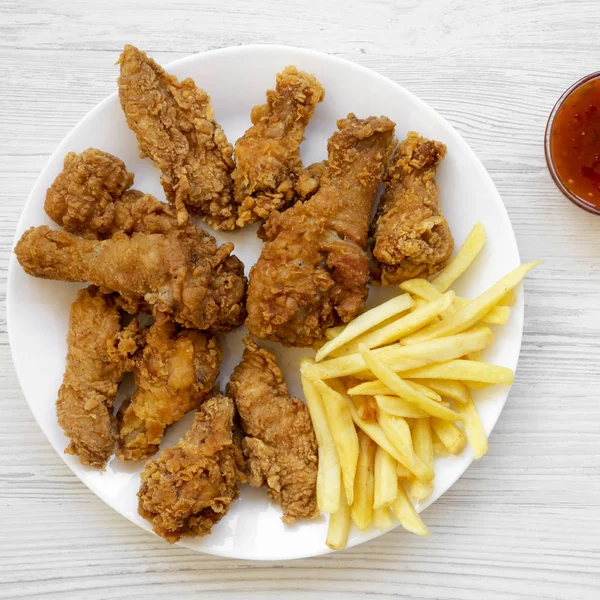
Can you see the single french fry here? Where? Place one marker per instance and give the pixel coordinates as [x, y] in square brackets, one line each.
[462, 260]
[339, 524]
[407, 515]
[455, 390]
[450, 435]
[423, 447]
[403, 358]
[499, 315]
[328, 473]
[438, 448]
[398, 407]
[367, 408]
[402, 389]
[382, 518]
[509, 298]
[344, 433]
[466, 371]
[374, 388]
[477, 385]
[475, 310]
[386, 479]
[368, 320]
[361, 510]
[392, 332]
[473, 428]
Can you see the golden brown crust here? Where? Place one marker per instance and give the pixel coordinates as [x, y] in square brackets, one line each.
[201, 285]
[99, 354]
[174, 373]
[267, 156]
[189, 488]
[313, 270]
[175, 126]
[280, 445]
[411, 235]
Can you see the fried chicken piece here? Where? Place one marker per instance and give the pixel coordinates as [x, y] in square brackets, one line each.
[99, 354]
[201, 285]
[411, 235]
[309, 180]
[175, 126]
[280, 446]
[189, 488]
[82, 197]
[175, 372]
[267, 156]
[313, 270]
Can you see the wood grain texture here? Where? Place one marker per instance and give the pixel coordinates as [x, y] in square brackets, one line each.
[524, 522]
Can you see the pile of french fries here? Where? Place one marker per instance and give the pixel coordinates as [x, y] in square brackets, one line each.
[391, 390]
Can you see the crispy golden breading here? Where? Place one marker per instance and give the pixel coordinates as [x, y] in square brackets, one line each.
[280, 445]
[189, 488]
[309, 180]
[411, 235]
[99, 354]
[201, 285]
[313, 270]
[175, 372]
[175, 126]
[267, 156]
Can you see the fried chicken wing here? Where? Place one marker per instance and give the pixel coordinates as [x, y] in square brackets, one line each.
[267, 156]
[313, 270]
[175, 372]
[280, 446]
[189, 488]
[411, 235]
[99, 354]
[201, 285]
[175, 126]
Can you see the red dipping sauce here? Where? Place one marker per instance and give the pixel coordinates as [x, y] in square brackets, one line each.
[573, 143]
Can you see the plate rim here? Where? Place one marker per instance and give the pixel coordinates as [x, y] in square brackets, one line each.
[517, 313]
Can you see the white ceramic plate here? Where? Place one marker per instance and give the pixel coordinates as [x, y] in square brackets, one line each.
[237, 78]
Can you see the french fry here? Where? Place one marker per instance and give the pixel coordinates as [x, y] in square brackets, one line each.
[450, 435]
[473, 428]
[509, 298]
[386, 479]
[374, 388]
[404, 358]
[343, 432]
[407, 515]
[499, 315]
[397, 431]
[455, 390]
[464, 257]
[423, 447]
[438, 448]
[361, 511]
[423, 315]
[477, 385]
[402, 389]
[398, 407]
[368, 320]
[403, 472]
[465, 371]
[475, 310]
[328, 473]
[339, 524]
[367, 408]
[382, 518]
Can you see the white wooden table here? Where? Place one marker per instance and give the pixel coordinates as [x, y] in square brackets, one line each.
[524, 522]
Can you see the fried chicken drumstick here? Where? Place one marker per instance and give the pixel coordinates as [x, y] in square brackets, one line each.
[313, 270]
[267, 156]
[280, 447]
[189, 488]
[411, 235]
[175, 126]
[175, 372]
[100, 351]
[200, 285]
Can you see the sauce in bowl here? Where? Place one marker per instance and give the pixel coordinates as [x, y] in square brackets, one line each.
[573, 143]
